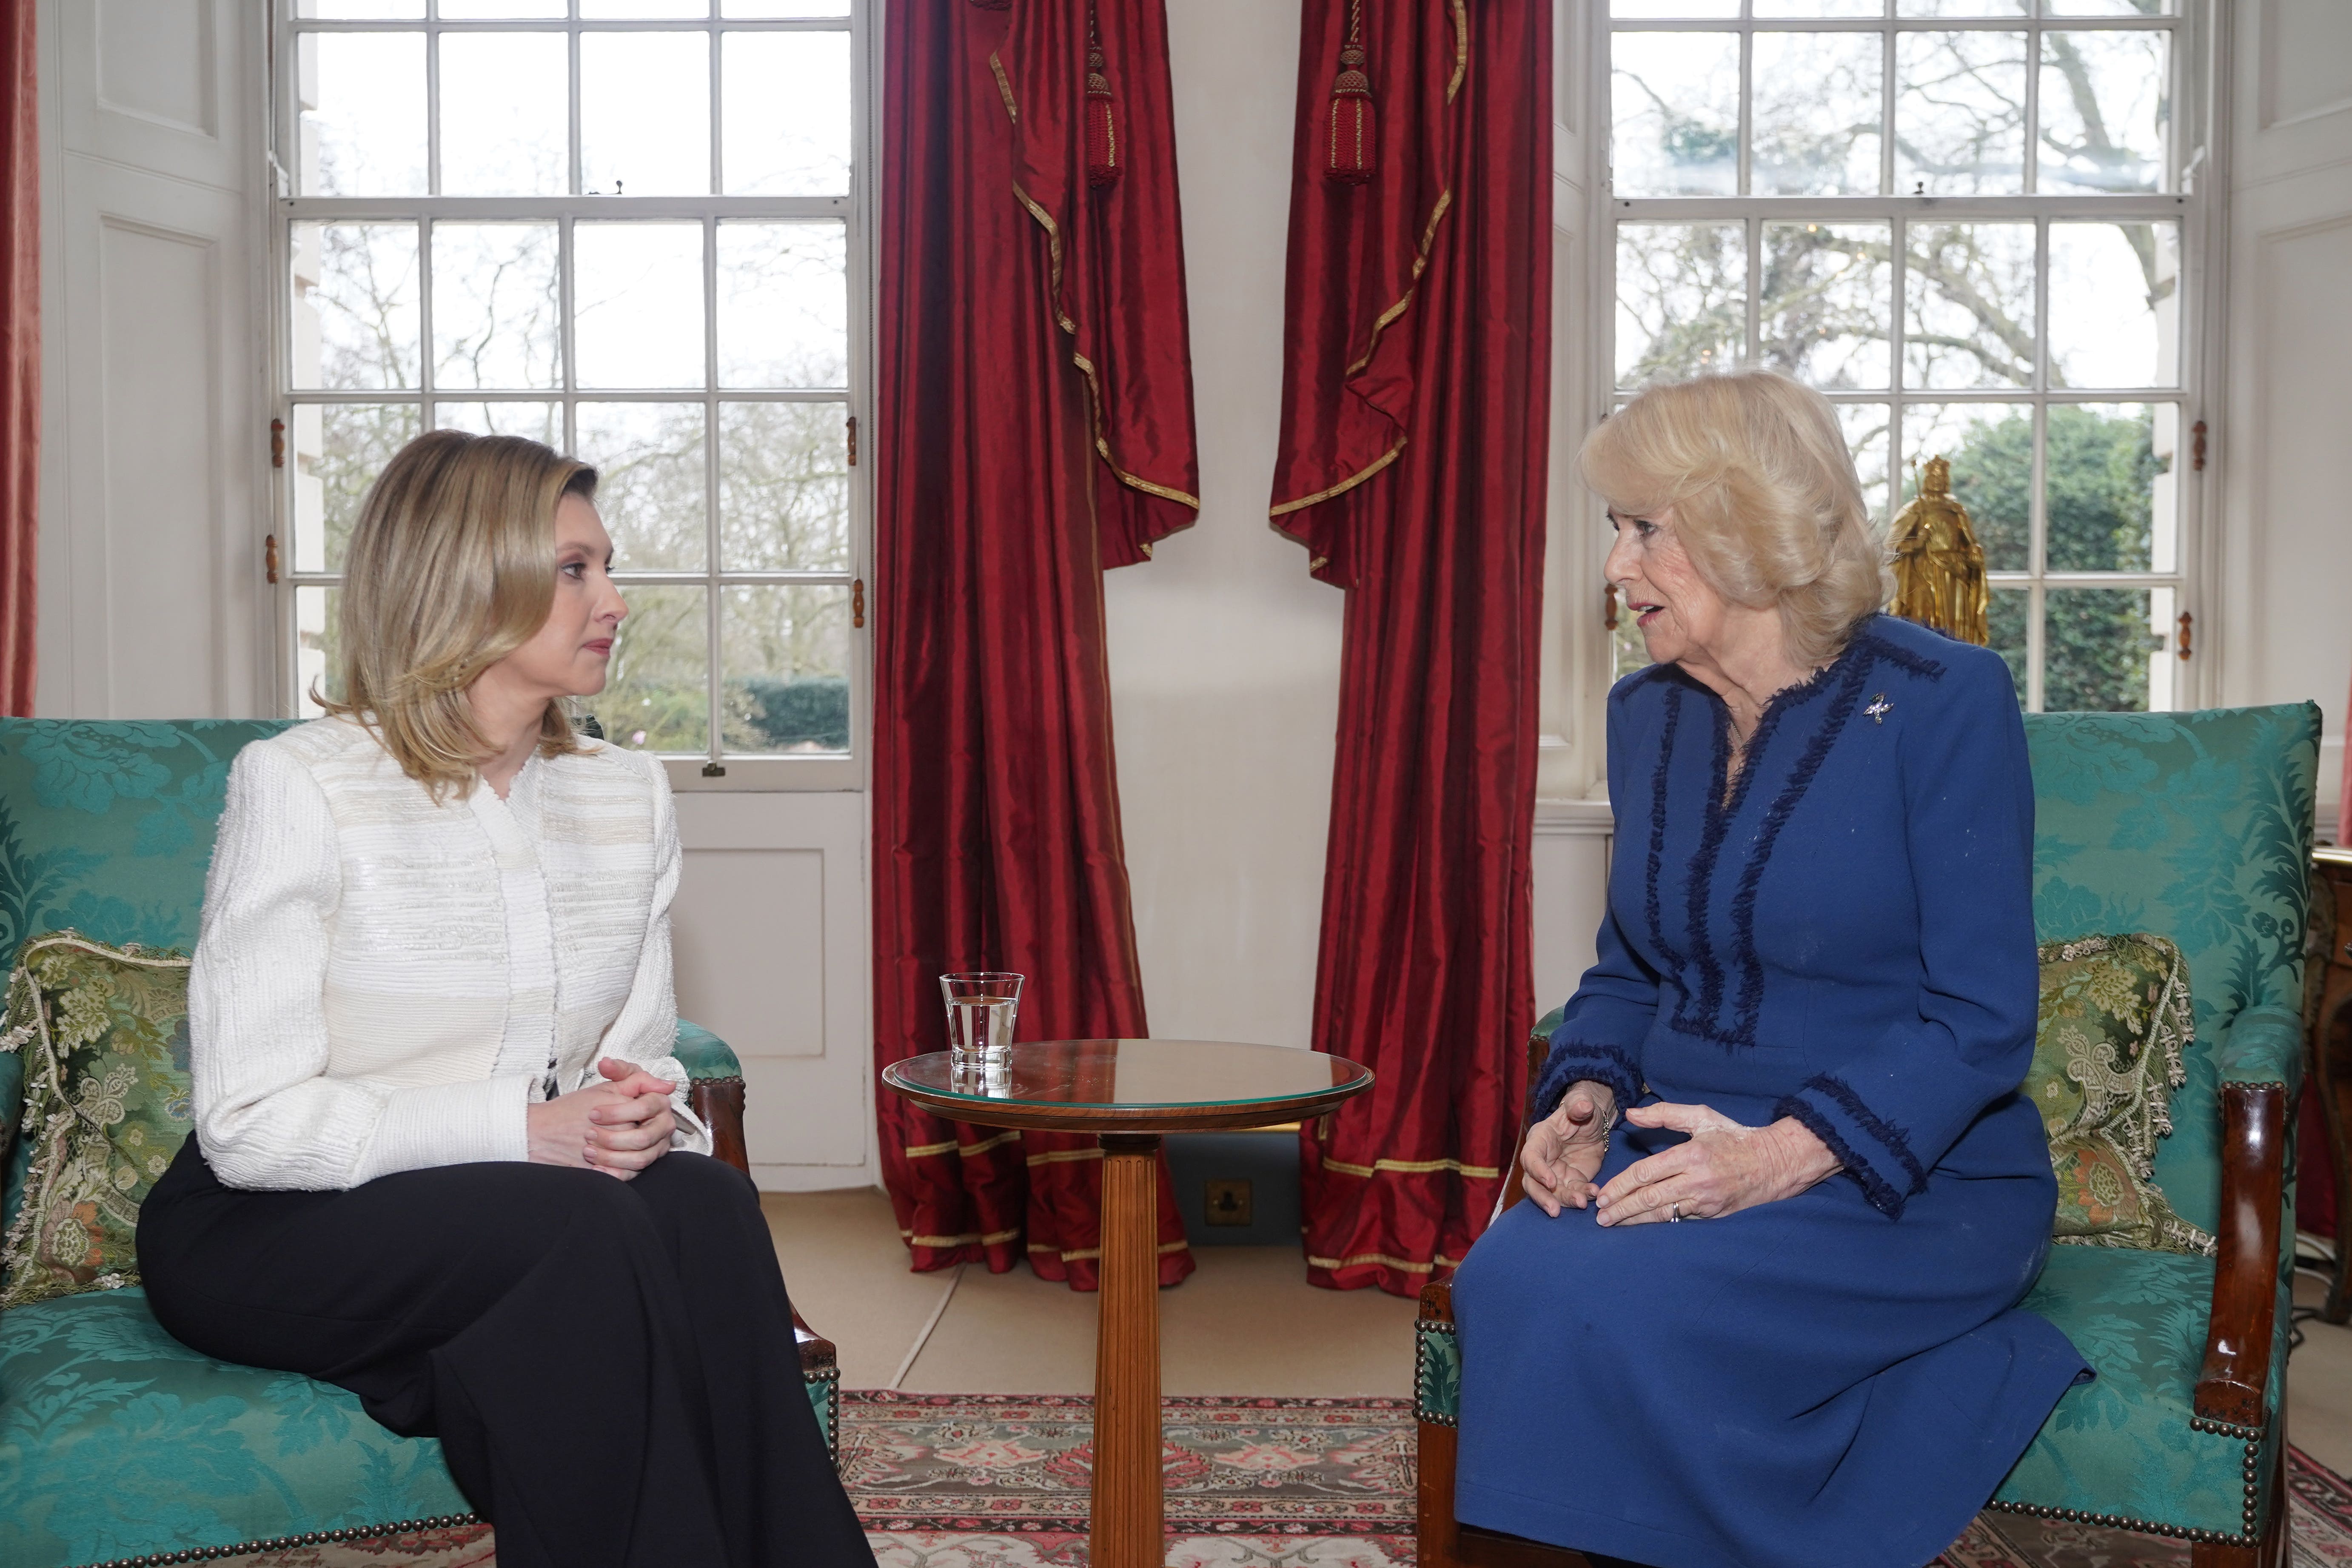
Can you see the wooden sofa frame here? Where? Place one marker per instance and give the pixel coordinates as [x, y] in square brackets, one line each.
[719, 1102]
[2231, 1385]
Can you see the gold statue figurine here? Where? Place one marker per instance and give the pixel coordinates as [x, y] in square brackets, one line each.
[1939, 567]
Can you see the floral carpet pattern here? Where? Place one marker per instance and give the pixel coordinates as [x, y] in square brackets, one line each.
[1000, 1481]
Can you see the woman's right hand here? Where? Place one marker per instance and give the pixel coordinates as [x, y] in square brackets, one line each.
[1564, 1150]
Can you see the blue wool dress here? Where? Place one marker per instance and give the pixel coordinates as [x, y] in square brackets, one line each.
[1841, 1379]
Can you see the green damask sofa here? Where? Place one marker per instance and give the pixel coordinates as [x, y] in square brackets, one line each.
[2192, 826]
[119, 1445]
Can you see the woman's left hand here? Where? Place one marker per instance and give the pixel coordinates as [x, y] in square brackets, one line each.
[625, 1135]
[1725, 1167]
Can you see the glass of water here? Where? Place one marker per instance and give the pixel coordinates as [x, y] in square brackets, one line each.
[980, 1010]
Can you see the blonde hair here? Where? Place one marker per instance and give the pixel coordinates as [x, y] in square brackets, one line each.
[451, 567]
[1764, 494]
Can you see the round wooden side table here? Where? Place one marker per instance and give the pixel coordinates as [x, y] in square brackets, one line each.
[1127, 1093]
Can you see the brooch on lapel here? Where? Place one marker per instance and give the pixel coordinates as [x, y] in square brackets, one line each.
[1879, 709]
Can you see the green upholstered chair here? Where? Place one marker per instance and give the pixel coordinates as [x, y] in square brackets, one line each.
[118, 1444]
[2196, 827]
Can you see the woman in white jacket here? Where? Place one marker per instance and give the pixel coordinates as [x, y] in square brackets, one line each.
[443, 1154]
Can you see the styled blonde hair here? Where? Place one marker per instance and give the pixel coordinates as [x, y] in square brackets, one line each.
[1764, 495]
[451, 567]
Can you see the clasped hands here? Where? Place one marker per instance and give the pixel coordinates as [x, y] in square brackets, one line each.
[619, 1127]
[1724, 1167]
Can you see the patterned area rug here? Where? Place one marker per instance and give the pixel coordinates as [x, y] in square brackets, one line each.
[1000, 1481]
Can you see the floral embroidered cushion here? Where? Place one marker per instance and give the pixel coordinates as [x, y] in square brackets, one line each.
[2115, 1015]
[103, 1033]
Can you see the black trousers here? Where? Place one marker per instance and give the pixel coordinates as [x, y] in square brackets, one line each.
[609, 1365]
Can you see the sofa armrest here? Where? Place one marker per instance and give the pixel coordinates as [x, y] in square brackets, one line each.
[704, 1055]
[2262, 1045]
[2233, 1384]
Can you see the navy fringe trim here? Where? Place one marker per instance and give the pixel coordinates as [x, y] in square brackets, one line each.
[1897, 1142]
[1875, 1188]
[1658, 829]
[1573, 1060]
[1698, 885]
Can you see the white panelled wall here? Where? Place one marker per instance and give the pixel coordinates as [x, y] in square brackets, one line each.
[1224, 655]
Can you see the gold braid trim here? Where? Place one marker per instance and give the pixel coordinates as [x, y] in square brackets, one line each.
[1404, 1264]
[1412, 1168]
[990, 1240]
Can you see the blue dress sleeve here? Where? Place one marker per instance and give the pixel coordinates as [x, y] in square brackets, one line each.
[1891, 1111]
[1600, 1033]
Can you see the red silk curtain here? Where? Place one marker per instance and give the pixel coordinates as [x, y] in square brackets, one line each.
[1036, 427]
[20, 355]
[1412, 466]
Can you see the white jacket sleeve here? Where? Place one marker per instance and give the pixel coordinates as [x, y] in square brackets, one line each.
[646, 1032]
[268, 1114]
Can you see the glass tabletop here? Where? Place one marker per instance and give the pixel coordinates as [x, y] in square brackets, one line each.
[1137, 1075]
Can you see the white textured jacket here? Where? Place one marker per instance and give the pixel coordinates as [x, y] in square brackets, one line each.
[381, 983]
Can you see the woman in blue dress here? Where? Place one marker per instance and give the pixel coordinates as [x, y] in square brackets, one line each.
[1762, 1312]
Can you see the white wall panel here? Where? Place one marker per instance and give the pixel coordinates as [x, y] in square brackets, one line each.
[153, 429]
[2285, 556]
[1224, 655]
[771, 935]
[170, 86]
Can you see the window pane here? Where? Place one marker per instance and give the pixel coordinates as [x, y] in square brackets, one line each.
[644, 10]
[2107, 7]
[2105, 483]
[651, 479]
[495, 306]
[539, 422]
[499, 10]
[317, 648]
[787, 114]
[1682, 300]
[1959, 113]
[339, 450]
[749, 8]
[1676, 100]
[1962, 8]
[658, 698]
[356, 321]
[363, 125]
[784, 304]
[360, 10]
[2105, 110]
[1990, 449]
[2005, 623]
[786, 651]
[1968, 305]
[637, 303]
[1817, 113]
[1828, 290]
[783, 486]
[2114, 304]
[1668, 10]
[645, 113]
[506, 109]
[2094, 653]
[1821, 7]
[1865, 427]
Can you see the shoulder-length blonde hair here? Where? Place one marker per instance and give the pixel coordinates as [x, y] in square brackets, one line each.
[1764, 495]
[451, 567]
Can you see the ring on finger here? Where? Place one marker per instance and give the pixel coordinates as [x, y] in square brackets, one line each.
[1674, 1214]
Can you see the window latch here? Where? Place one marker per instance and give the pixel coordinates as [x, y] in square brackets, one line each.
[853, 440]
[269, 557]
[2185, 621]
[1608, 615]
[857, 604]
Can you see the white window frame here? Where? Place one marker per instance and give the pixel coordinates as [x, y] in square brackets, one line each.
[1593, 212]
[718, 770]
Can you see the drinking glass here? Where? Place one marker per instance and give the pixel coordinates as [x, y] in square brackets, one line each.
[980, 1010]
